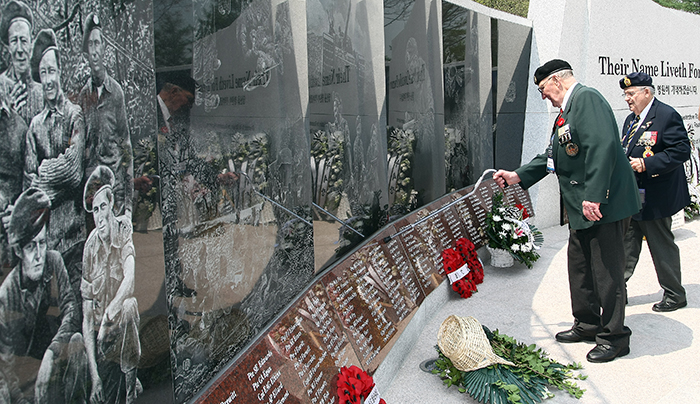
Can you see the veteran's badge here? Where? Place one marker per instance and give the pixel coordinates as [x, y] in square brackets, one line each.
[571, 149]
[647, 152]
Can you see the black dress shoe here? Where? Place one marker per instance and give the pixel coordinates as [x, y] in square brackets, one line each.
[606, 353]
[665, 306]
[573, 336]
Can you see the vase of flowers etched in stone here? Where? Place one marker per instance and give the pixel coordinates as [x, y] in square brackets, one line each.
[510, 234]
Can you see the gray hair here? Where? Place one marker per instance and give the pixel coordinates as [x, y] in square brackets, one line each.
[564, 74]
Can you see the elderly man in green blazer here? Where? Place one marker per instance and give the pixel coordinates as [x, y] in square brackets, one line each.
[600, 195]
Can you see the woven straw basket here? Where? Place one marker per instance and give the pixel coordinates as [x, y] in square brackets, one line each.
[462, 339]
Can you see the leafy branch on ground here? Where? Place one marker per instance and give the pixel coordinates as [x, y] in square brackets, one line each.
[526, 382]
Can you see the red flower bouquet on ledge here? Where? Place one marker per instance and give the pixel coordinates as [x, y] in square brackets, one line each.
[463, 267]
[354, 384]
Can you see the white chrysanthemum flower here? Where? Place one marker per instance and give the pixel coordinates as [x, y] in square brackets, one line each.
[515, 247]
[527, 247]
[505, 226]
[503, 234]
[501, 210]
[496, 218]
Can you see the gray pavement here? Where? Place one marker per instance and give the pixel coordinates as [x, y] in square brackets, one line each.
[532, 305]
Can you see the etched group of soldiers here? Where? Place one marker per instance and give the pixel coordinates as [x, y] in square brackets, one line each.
[67, 305]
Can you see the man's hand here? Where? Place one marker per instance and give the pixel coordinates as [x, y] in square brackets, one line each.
[96, 396]
[637, 164]
[591, 210]
[504, 178]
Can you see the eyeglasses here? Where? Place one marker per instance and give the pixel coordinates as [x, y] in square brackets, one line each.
[631, 93]
[541, 89]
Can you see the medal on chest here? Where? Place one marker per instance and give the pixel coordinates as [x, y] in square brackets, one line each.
[648, 140]
[571, 149]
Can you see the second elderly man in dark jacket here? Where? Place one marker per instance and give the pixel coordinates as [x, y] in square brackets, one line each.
[656, 143]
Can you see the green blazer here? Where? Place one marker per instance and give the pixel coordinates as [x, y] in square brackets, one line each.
[595, 169]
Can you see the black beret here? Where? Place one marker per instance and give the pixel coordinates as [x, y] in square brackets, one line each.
[45, 39]
[635, 79]
[32, 211]
[14, 9]
[101, 177]
[550, 67]
[91, 23]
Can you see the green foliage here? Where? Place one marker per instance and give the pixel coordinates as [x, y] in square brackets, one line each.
[691, 6]
[517, 7]
[527, 382]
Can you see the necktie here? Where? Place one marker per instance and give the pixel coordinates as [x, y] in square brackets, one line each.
[630, 132]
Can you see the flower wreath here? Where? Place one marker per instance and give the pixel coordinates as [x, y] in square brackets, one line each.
[454, 261]
[353, 385]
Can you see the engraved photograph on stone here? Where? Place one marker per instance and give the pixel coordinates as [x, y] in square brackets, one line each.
[346, 118]
[47, 345]
[110, 310]
[234, 168]
[414, 87]
[469, 122]
[455, 75]
[77, 89]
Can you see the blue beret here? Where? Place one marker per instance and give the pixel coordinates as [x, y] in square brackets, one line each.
[636, 79]
[32, 211]
[14, 9]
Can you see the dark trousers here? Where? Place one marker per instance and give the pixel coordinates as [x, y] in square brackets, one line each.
[596, 259]
[664, 253]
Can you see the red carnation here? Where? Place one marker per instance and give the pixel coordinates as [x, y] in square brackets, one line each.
[523, 209]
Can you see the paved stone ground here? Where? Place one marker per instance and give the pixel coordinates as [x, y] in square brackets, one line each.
[532, 305]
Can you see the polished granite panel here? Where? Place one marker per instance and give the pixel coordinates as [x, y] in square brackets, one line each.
[346, 117]
[414, 88]
[512, 76]
[478, 133]
[236, 185]
[455, 75]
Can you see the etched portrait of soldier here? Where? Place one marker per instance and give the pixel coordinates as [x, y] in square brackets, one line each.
[54, 155]
[107, 140]
[39, 315]
[110, 310]
[16, 84]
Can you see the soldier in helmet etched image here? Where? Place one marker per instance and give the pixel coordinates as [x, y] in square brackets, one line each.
[23, 94]
[39, 315]
[54, 156]
[107, 140]
[110, 310]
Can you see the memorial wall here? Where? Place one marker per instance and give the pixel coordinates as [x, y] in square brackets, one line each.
[226, 201]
